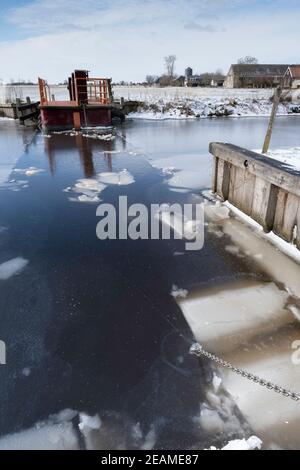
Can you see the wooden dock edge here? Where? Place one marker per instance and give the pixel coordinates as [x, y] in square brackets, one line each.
[261, 187]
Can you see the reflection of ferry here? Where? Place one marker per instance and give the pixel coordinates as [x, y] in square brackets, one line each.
[90, 104]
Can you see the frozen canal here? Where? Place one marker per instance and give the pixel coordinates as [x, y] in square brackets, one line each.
[90, 325]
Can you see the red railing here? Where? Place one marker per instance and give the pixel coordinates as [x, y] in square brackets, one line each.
[44, 91]
[97, 90]
[87, 90]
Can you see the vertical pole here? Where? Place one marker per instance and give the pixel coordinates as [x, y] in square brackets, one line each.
[276, 101]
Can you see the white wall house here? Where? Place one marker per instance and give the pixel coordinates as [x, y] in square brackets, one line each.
[292, 77]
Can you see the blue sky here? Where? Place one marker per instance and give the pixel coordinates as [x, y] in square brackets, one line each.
[127, 39]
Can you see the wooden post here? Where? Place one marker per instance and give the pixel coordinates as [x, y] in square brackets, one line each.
[276, 101]
[76, 120]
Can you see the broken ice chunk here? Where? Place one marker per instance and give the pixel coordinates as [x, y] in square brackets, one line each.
[12, 267]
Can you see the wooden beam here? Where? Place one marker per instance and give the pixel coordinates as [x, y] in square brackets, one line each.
[268, 169]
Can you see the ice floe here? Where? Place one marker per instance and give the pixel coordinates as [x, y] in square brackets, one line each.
[28, 171]
[14, 185]
[121, 178]
[99, 136]
[252, 443]
[176, 292]
[184, 172]
[89, 190]
[87, 422]
[26, 371]
[12, 267]
[57, 433]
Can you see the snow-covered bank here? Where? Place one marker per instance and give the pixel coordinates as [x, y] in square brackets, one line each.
[289, 156]
[205, 107]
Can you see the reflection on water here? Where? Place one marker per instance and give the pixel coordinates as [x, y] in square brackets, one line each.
[54, 147]
[92, 322]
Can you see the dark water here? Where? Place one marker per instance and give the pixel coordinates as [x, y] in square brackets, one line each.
[94, 320]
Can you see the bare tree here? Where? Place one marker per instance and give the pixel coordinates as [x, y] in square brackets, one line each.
[170, 64]
[248, 59]
[150, 79]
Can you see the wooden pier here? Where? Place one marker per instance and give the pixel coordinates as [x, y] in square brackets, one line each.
[27, 113]
[261, 187]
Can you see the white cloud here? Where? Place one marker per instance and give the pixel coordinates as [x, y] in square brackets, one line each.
[127, 39]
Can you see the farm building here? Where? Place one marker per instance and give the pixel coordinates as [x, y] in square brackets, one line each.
[292, 77]
[254, 75]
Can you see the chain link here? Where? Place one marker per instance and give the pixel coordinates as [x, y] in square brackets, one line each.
[197, 350]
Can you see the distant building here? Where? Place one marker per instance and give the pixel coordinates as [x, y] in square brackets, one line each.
[217, 82]
[188, 73]
[193, 81]
[254, 76]
[292, 77]
[179, 81]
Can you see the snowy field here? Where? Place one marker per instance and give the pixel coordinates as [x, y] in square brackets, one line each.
[153, 94]
[140, 93]
[191, 103]
[177, 102]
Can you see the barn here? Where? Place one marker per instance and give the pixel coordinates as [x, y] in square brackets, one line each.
[255, 75]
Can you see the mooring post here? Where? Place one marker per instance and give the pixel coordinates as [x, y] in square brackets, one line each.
[276, 101]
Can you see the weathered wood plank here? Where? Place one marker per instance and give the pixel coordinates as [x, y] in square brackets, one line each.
[232, 182]
[223, 179]
[238, 185]
[279, 213]
[286, 215]
[248, 192]
[264, 167]
[264, 203]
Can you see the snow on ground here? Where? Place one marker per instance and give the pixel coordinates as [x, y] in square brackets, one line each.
[192, 108]
[12, 267]
[290, 157]
[180, 102]
[191, 103]
[153, 94]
